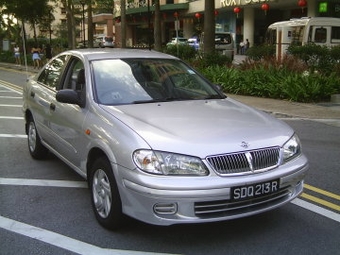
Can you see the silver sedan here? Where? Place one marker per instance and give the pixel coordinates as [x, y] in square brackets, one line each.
[157, 141]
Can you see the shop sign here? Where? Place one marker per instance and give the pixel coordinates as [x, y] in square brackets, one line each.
[228, 3]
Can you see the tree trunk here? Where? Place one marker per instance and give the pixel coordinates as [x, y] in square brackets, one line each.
[123, 24]
[89, 25]
[70, 24]
[157, 27]
[209, 27]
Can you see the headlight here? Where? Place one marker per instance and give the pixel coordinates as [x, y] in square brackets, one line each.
[292, 148]
[166, 163]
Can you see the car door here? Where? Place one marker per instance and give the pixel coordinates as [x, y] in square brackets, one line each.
[42, 93]
[67, 119]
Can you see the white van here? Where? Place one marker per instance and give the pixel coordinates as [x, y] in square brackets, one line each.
[318, 30]
[224, 43]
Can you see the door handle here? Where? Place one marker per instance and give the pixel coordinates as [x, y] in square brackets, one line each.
[52, 106]
[32, 94]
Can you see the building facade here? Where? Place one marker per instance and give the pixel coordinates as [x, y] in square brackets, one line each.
[245, 19]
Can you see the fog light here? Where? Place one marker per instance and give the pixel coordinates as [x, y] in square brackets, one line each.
[169, 208]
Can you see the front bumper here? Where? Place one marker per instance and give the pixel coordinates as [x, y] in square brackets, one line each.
[159, 201]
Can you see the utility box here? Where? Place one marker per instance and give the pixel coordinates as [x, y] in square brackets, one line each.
[5, 45]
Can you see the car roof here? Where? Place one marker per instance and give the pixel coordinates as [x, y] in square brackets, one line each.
[95, 54]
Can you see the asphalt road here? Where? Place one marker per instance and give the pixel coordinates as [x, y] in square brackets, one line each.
[45, 207]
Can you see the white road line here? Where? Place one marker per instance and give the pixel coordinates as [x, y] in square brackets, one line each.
[61, 241]
[10, 105]
[11, 118]
[12, 136]
[11, 97]
[317, 209]
[43, 182]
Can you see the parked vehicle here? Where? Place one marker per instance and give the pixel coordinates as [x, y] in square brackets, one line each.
[157, 141]
[178, 40]
[194, 42]
[320, 30]
[104, 41]
[224, 43]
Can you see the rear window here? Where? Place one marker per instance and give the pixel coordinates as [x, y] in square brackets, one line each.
[108, 39]
[223, 38]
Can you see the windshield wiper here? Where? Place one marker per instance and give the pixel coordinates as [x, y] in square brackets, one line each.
[215, 97]
[157, 100]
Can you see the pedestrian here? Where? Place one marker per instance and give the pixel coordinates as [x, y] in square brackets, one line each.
[36, 56]
[17, 55]
[242, 47]
[247, 45]
[48, 52]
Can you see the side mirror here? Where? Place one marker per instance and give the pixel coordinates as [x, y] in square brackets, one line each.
[69, 96]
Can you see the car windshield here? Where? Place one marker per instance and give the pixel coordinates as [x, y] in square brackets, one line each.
[135, 81]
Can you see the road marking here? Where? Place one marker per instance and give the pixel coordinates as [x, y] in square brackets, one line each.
[10, 105]
[321, 201]
[43, 182]
[317, 209]
[12, 136]
[320, 191]
[11, 118]
[10, 97]
[11, 86]
[61, 241]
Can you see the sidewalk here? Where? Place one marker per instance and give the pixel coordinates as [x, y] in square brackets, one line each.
[279, 108]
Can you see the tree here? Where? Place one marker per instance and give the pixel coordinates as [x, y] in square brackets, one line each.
[103, 6]
[31, 11]
[209, 27]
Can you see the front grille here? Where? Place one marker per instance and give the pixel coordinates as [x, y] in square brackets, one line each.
[245, 162]
[225, 208]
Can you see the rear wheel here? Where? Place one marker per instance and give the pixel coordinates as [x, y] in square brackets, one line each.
[105, 197]
[35, 147]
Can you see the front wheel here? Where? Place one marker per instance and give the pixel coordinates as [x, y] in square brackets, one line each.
[35, 147]
[105, 198]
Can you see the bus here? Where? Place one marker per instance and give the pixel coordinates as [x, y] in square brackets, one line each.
[319, 30]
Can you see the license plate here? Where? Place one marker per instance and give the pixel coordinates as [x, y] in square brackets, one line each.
[254, 190]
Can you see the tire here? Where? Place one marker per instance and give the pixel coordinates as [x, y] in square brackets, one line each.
[105, 198]
[35, 147]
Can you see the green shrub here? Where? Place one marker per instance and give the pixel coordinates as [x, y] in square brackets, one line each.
[215, 59]
[274, 81]
[185, 52]
[7, 56]
[259, 52]
[318, 58]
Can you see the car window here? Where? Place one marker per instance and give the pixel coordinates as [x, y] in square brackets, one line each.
[108, 39]
[50, 76]
[75, 77]
[130, 81]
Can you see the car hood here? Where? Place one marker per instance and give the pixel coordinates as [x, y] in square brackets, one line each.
[202, 127]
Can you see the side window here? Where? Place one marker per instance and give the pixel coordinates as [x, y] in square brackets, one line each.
[335, 35]
[52, 72]
[75, 77]
[320, 35]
